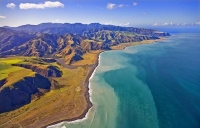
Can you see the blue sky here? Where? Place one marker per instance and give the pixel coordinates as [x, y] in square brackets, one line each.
[116, 12]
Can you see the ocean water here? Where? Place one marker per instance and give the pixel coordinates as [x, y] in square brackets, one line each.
[146, 86]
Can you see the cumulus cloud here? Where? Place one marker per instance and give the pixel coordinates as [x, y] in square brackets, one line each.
[155, 24]
[2, 17]
[135, 4]
[46, 4]
[111, 6]
[10, 5]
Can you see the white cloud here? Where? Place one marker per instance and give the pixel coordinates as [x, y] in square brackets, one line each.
[123, 5]
[111, 6]
[176, 24]
[46, 4]
[155, 24]
[165, 24]
[184, 24]
[135, 4]
[2, 17]
[108, 23]
[197, 23]
[127, 24]
[10, 5]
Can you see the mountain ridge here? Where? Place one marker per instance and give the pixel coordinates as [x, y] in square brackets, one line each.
[84, 27]
[72, 40]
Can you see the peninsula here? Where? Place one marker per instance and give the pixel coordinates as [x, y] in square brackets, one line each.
[45, 68]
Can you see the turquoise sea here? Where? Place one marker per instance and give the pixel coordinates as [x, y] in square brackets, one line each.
[146, 86]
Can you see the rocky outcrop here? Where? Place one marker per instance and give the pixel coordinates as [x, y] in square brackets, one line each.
[21, 92]
[50, 71]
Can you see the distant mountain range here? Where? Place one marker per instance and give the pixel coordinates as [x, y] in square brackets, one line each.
[61, 40]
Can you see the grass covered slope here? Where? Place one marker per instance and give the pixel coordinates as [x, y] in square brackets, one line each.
[6, 68]
[19, 85]
[57, 98]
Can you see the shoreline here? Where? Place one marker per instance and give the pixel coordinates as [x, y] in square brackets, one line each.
[88, 91]
[87, 95]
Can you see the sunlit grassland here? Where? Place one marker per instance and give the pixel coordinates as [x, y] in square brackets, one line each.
[11, 60]
[6, 69]
[13, 73]
[15, 76]
[66, 102]
[89, 58]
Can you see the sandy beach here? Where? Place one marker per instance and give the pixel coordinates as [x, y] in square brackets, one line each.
[87, 92]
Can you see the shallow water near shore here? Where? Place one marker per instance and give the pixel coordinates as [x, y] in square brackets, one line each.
[146, 86]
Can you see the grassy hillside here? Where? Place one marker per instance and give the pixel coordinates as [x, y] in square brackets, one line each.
[67, 101]
[6, 68]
